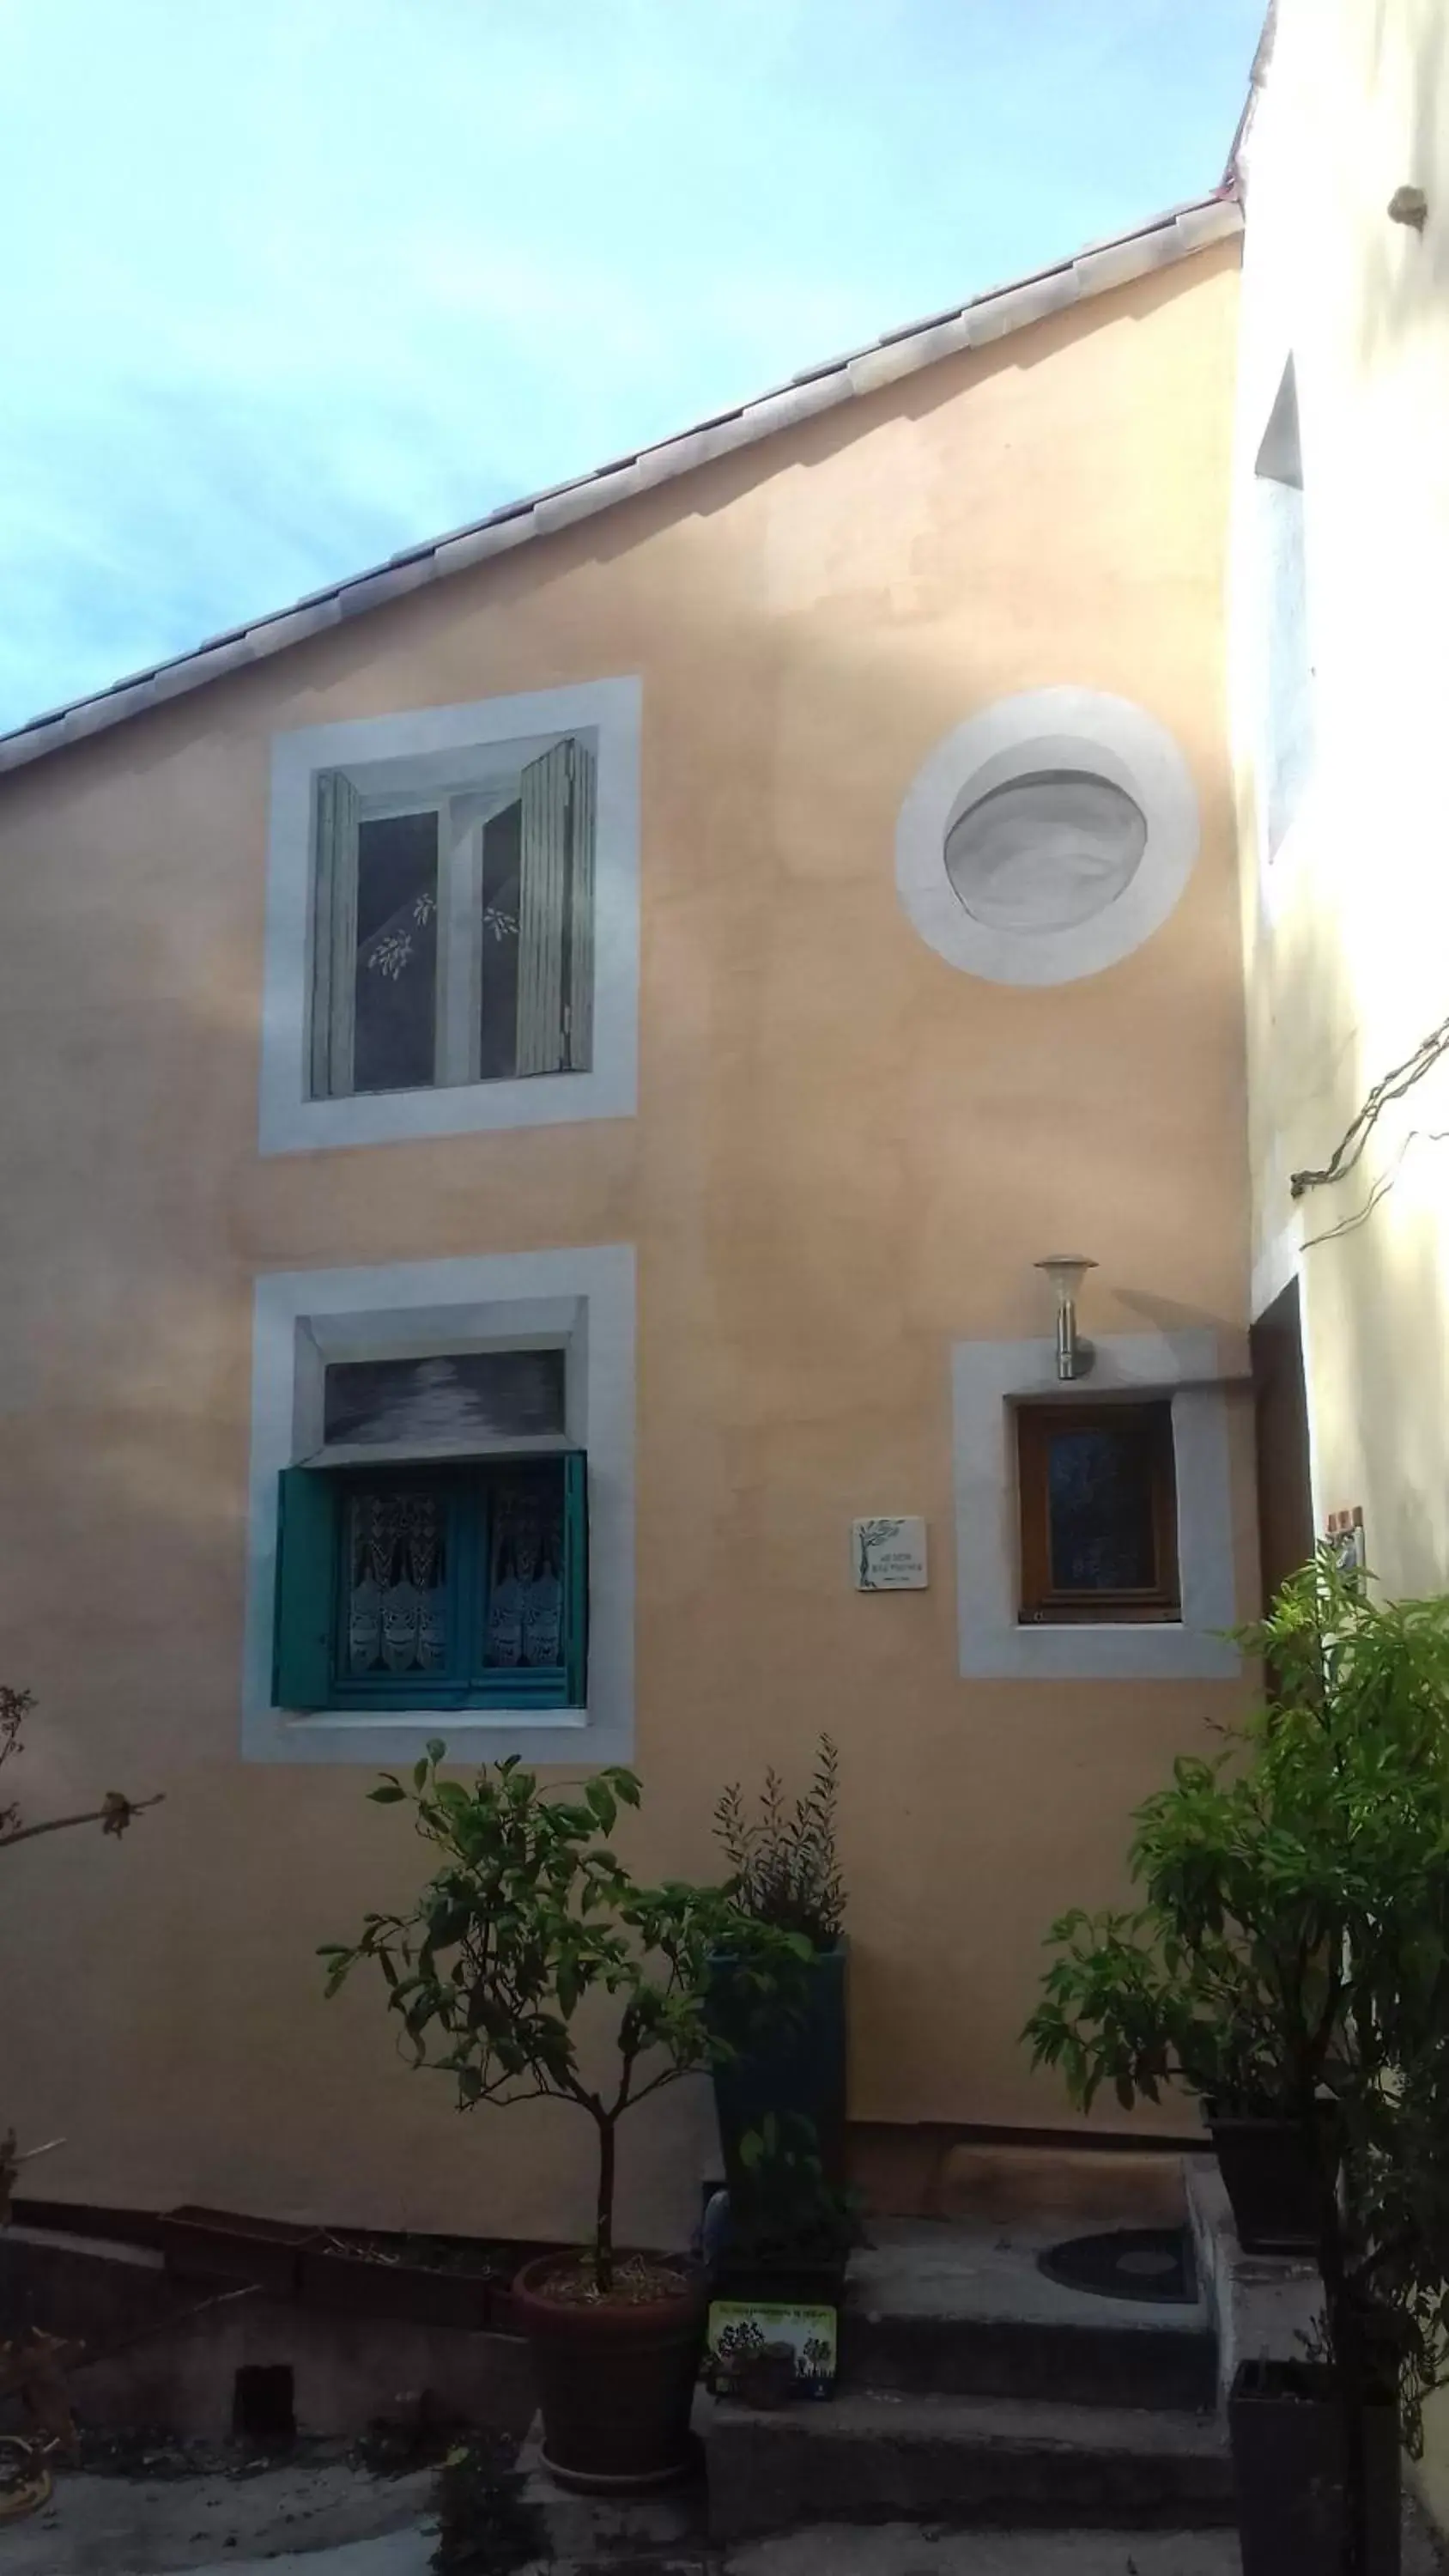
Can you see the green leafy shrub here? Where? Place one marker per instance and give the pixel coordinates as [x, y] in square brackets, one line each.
[784, 2211]
[1290, 1954]
[784, 1866]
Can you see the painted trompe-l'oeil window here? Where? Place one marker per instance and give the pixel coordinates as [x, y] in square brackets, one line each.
[435, 1552]
[453, 919]
[1097, 1493]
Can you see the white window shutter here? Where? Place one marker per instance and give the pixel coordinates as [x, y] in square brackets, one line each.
[334, 935]
[579, 1000]
[542, 898]
[556, 912]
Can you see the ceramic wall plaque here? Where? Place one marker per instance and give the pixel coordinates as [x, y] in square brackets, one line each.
[888, 1554]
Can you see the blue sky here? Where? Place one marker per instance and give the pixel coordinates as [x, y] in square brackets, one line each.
[285, 284]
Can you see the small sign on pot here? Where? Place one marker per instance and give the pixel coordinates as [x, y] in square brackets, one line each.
[767, 2351]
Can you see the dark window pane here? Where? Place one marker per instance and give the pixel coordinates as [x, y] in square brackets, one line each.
[397, 1597]
[1099, 1502]
[525, 1567]
[397, 953]
[495, 1395]
[498, 976]
[1047, 851]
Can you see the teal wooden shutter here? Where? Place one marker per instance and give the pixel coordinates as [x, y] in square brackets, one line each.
[576, 1578]
[306, 1588]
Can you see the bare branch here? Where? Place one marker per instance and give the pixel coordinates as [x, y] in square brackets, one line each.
[113, 1818]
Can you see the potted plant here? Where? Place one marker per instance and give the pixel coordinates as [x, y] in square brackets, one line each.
[1167, 1995]
[1292, 1953]
[528, 1917]
[428, 2280]
[780, 2275]
[784, 1876]
[790, 2232]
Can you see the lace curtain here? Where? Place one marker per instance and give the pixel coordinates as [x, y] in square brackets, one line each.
[397, 1608]
[525, 1572]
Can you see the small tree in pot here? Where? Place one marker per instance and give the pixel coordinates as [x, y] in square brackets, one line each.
[529, 1917]
[1292, 1953]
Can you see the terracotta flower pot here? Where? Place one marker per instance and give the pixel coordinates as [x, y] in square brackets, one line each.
[615, 2377]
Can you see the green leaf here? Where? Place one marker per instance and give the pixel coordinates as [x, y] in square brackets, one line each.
[389, 1793]
[603, 1802]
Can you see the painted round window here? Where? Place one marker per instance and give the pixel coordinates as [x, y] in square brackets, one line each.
[1046, 836]
[1045, 852]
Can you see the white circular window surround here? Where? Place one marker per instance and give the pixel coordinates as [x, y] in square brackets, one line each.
[1047, 837]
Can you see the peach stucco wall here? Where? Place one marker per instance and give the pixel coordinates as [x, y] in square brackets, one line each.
[847, 1155]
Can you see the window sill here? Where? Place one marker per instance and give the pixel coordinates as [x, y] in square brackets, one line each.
[398, 1735]
[1158, 1650]
[1123, 1627]
[445, 1109]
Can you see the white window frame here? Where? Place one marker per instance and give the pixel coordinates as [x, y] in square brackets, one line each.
[302, 1319]
[418, 759]
[989, 1381]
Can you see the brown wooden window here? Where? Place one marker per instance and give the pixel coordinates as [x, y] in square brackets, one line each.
[1098, 1512]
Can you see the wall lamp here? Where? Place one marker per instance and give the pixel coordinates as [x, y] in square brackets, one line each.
[1066, 1271]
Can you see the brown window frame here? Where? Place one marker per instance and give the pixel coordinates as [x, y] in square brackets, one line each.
[1044, 1603]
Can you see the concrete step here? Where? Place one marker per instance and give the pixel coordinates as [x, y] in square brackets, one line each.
[997, 2462]
[953, 2311]
[915, 2170]
[901, 2549]
[896, 2549]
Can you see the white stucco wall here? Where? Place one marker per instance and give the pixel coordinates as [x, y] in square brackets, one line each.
[1347, 924]
[1347, 921]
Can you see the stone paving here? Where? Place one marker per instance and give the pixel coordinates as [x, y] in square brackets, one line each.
[319, 2513]
[111, 2527]
[336, 2522]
